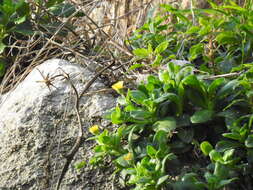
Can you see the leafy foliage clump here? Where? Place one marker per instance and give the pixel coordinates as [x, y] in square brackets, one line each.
[187, 127]
[165, 123]
[216, 39]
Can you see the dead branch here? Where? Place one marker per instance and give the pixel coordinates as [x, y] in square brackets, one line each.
[70, 155]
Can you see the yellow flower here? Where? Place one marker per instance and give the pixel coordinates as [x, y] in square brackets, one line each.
[94, 129]
[128, 156]
[117, 86]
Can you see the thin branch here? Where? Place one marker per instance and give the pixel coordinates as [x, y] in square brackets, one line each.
[70, 155]
[223, 75]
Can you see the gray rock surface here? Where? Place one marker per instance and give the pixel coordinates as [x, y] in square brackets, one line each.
[38, 126]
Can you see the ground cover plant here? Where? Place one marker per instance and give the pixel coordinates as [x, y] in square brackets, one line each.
[188, 126]
[216, 39]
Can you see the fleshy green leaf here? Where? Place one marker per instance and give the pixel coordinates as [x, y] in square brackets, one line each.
[141, 53]
[214, 86]
[2, 47]
[228, 154]
[225, 182]
[161, 180]
[195, 51]
[227, 37]
[249, 141]
[206, 147]
[222, 146]
[220, 170]
[168, 124]
[215, 156]
[151, 151]
[135, 66]
[158, 60]
[227, 89]
[234, 136]
[140, 114]
[161, 47]
[138, 96]
[202, 116]
[80, 165]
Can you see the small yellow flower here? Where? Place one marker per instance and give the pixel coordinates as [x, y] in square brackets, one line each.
[117, 86]
[128, 156]
[94, 129]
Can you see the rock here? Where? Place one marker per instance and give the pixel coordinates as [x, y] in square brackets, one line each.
[38, 126]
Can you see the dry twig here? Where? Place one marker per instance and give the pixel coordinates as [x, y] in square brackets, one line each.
[70, 155]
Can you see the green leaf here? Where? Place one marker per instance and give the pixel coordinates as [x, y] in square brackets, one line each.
[116, 116]
[151, 151]
[202, 116]
[138, 96]
[210, 178]
[167, 96]
[194, 82]
[122, 100]
[135, 66]
[227, 37]
[222, 146]
[190, 177]
[24, 28]
[225, 182]
[228, 154]
[220, 171]
[234, 136]
[170, 156]
[214, 86]
[184, 72]
[249, 141]
[235, 7]
[168, 124]
[195, 91]
[206, 147]
[140, 115]
[215, 156]
[161, 180]
[205, 30]
[161, 47]
[141, 53]
[80, 165]
[122, 162]
[20, 20]
[164, 76]
[195, 51]
[23, 9]
[158, 60]
[2, 47]
[193, 29]
[160, 138]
